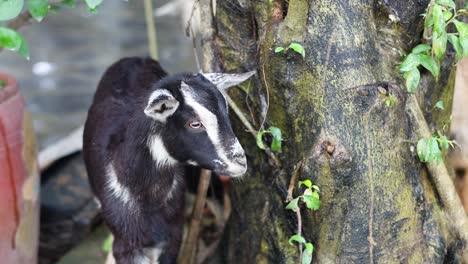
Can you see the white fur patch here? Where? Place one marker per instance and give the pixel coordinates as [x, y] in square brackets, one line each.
[174, 185]
[150, 255]
[116, 189]
[159, 152]
[210, 121]
[236, 148]
[192, 162]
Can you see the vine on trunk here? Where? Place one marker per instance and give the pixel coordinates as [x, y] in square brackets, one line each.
[438, 17]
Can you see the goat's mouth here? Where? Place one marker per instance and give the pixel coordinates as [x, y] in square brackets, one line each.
[236, 168]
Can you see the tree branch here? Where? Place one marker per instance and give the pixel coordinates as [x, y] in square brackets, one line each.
[25, 17]
[151, 29]
[440, 175]
[188, 251]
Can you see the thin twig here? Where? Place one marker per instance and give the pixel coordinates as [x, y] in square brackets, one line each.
[293, 180]
[299, 230]
[188, 251]
[251, 129]
[151, 29]
[194, 46]
[289, 197]
[267, 95]
[189, 33]
[25, 17]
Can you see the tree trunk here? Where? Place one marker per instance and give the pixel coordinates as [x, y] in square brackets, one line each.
[378, 202]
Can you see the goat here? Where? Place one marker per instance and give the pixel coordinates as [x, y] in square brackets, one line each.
[142, 129]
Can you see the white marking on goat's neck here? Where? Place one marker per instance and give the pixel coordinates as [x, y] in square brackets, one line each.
[192, 162]
[150, 255]
[175, 184]
[159, 152]
[115, 187]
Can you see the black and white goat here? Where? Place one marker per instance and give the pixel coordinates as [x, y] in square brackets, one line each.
[142, 129]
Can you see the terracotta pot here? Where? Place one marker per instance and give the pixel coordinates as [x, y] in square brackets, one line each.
[19, 179]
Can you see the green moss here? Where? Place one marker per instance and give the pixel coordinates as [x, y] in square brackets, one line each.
[291, 252]
[294, 25]
[262, 256]
[442, 117]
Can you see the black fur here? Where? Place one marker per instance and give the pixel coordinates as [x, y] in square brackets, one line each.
[117, 132]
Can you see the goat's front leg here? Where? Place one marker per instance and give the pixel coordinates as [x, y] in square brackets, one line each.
[170, 251]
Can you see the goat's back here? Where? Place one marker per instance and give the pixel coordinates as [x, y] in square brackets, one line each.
[128, 78]
[117, 108]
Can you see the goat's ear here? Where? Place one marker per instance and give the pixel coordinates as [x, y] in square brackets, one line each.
[225, 80]
[161, 105]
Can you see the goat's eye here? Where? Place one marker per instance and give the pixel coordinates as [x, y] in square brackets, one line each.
[195, 125]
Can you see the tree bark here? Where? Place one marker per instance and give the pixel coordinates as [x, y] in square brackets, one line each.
[378, 202]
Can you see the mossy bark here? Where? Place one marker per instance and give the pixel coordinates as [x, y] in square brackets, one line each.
[378, 203]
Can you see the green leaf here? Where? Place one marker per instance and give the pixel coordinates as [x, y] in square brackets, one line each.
[463, 38]
[412, 80]
[38, 9]
[292, 205]
[2, 84]
[461, 27]
[443, 142]
[260, 139]
[439, 44]
[315, 187]
[279, 49]
[277, 138]
[430, 64]
[307, 183]
[421, 148]
[298, 238]
[69, 3]
[456, 46]
[440, 105]
[10, 9]
[107, 244]
[92, 4]
[307, 254]
[93, 10]
[428, 150]
[439, 22]
[447, 15]
[421, 48]
[448, 3]
[306, 258]
[411, 62]
[429, 20]
[464, 44]
[312, 201]
[434, 150]
[11, 40]
[297, 48]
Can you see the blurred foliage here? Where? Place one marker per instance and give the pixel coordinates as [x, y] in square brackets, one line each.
[10, 10]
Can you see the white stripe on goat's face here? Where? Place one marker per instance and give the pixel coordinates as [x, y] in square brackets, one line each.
[115, 188]
[231, 159]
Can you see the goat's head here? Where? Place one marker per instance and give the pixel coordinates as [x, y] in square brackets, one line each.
[190, 123]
